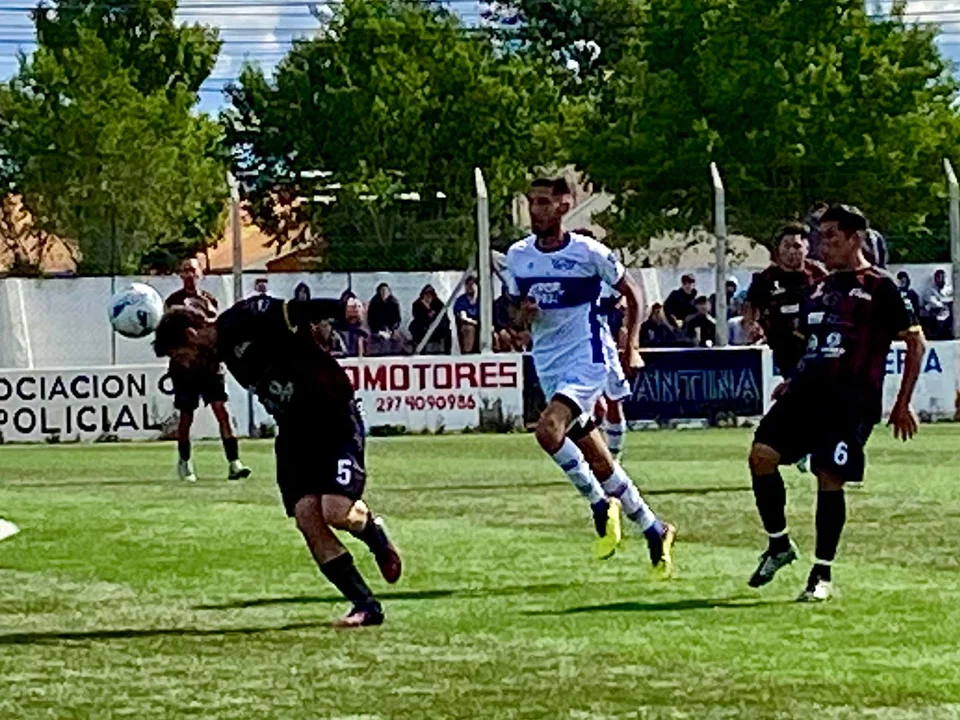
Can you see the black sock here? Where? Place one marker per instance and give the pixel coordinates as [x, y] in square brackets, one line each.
[372, 535]
[230, 448]
[831, 517]
[344, 576]
[771, 497]
[183, 447]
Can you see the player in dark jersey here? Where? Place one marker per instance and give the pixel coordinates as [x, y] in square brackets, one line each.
[776, 296]
[267, 345]
[829, 404]
[203, 380]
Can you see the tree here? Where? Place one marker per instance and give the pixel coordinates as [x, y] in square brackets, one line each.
[394, 100]
[796, 101]
[103, 144]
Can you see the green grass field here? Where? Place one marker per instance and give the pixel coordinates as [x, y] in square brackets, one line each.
[131, 595]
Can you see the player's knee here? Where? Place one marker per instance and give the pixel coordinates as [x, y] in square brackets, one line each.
[550, 432]
[827, 482]
[308, 513]
[763, 459]
[343, 513]
[614, 414]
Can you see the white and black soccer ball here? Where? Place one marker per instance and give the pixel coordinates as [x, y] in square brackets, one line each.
[135, 311]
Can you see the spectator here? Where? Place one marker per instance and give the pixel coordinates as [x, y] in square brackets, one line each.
[743, 331]
[351, 330]
[383, 319]
[700, 327]
[466, 312]
[813, 229]
[734, 306]
[425, 309]
[301, 292]
[655, 331]
[508, 335]
[937, 316]
[328, 339]
[909, 294]
[680, 303]
[260, 286]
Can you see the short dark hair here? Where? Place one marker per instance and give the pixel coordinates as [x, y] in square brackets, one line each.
[790, 229]
[848, 218]
[688, 278]
[902, 275]
[171, 332]
[556, 185]
[701, 300]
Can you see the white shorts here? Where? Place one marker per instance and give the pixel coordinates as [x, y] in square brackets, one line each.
[583, 385]
[618, 387]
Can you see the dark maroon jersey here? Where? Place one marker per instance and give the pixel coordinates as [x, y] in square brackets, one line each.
[850, 318]
[200, 300]
[777, 296]
[266, 344]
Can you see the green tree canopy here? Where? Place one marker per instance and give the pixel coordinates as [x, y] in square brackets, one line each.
[103, 144]
[394, 98]
[796, 101]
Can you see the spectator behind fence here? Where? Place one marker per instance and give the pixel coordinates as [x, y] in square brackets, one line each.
[383, 319]
[656, 331]
[301, 292]
[680, 303]
[908, 293]
[700, 327]
[743, 331]
[466, 312]
[351, 330]
[508, 334]
[937, 315]
[260, 286]
[328, 339]
[425, 309]
[734, 306]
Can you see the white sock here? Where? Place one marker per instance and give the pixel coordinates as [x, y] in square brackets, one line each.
[572, 462]
[620, 486]
[615, 433]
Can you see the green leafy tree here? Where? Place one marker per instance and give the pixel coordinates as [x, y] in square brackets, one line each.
[796, 101]
[394, 100]
[103, 144]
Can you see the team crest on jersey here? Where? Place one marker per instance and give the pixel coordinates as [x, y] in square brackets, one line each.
[546, 293]
[563, 263]
[862, 294]
[777, 289]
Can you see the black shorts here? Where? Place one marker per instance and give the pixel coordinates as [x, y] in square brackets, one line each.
[315, 459]
[189, 386]
[832, 431]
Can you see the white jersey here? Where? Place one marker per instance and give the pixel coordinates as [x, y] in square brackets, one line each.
[617, 385]
[566, 284]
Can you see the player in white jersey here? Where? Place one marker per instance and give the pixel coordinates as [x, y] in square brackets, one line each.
[609, 409]
[555, 278]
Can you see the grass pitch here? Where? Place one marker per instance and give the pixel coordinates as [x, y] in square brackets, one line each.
[130, 594]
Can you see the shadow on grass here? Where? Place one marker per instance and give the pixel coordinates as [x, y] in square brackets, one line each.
[439, 594]
[741, 602]
[526, 486]
[43, 638]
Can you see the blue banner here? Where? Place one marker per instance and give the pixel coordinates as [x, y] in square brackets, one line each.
[697, 383]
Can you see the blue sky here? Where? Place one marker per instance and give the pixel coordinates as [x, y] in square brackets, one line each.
[261, 30]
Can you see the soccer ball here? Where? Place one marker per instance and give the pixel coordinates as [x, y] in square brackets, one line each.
[135, 311]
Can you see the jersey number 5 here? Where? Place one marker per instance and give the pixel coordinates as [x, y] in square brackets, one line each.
[344, 472]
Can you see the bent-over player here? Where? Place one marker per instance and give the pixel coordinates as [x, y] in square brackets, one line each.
[555, 277]
[203, 379]
[267, 346]
[829, 404]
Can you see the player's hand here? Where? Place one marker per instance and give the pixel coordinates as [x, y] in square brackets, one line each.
[780, 390]
[904, 422]
[528, 310]
[631, 361]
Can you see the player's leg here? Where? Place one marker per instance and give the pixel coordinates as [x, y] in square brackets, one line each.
[617, 484]
[614, 427]
[186, 400]
[780, 439]
[214, 391]
[184, 461]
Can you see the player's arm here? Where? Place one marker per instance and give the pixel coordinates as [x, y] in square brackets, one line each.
[630, 290]
[903, 324]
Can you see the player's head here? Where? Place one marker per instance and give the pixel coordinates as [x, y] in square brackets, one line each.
[688, 283]
[790, 247]
[549, 200]
[190, 273]
[841, 245]
[183, 333]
